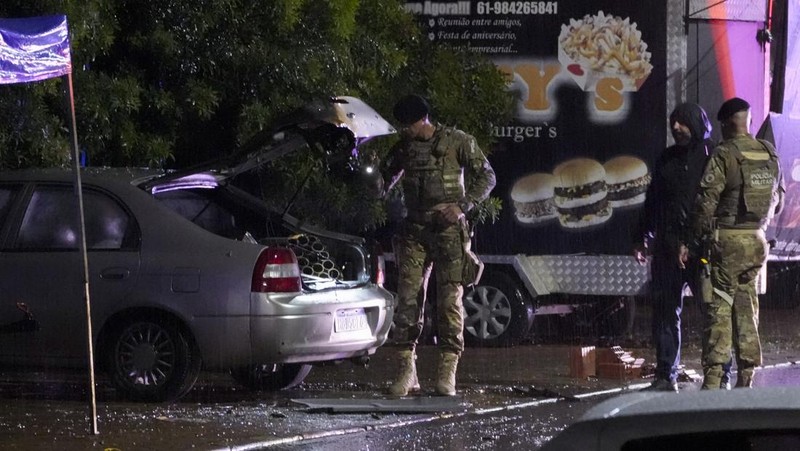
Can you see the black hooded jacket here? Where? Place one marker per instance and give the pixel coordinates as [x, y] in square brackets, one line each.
[676, 178]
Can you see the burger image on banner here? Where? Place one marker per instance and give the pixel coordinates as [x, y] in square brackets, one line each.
[533, 198]
[627, 179]
[581, 196]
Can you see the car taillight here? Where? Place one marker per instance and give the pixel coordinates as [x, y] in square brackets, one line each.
[378, 265]
[276, 272]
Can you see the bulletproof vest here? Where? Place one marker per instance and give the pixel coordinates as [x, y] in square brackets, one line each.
[432, 173]
[748, 199]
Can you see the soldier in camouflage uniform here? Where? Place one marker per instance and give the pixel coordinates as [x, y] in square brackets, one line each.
[443, 174]
[740, 191]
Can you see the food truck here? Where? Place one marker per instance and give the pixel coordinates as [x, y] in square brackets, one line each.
[594, 82]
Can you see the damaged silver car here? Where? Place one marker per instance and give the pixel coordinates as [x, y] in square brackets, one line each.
[188, 271]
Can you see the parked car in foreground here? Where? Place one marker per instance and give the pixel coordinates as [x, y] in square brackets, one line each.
[187, 271]
[763, 418]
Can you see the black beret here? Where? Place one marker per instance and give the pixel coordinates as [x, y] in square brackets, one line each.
[731, 107]
[410, 109]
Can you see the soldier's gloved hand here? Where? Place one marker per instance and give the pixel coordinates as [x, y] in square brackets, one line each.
[449, 213]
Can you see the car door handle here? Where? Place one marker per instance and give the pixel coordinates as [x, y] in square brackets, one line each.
[115, 273]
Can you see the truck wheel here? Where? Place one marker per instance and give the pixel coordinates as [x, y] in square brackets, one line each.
[271, 377]
[151, 360]
[497, 312]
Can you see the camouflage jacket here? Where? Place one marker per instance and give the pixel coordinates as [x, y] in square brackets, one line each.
[448, 168]
[723, 191]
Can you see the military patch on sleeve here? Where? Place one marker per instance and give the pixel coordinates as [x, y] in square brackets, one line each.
[709, 178]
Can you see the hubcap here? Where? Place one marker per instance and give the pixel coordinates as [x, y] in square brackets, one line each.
[488, 312]
[146, 354]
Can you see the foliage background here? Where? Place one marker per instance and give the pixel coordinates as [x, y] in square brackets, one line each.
[171, 83]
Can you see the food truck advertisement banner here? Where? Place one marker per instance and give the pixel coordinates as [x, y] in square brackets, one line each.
[589, 76]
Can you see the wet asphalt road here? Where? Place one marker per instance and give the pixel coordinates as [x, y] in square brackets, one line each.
[49, 409]
[525, 426]
[515, 397]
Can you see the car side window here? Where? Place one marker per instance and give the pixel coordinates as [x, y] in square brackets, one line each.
[6, 195]
[202, 211]
[51, 221]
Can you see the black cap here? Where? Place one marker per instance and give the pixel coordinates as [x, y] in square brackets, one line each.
[731, 107]
[410, 109]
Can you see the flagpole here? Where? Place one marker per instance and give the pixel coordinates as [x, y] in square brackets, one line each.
[82, 228]
[40, 49]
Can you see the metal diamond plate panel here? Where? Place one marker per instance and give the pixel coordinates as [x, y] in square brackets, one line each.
[744, 10]
[586, 274]
[676, 55]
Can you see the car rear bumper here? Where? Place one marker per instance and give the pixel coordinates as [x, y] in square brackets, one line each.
[311, 328]
[305, 338]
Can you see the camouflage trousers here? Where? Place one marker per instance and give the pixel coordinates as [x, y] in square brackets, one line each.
[419, 248]
[730, 306]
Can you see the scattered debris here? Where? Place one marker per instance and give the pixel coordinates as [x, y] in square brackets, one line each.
[688, 375]
[616, 363]
[419, 404]
[582, 361]
[608, 363]
[648, 370]
[544, 393]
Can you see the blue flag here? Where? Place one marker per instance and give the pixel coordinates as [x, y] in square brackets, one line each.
[33, 49]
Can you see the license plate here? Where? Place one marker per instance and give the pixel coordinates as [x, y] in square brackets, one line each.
[350, 320]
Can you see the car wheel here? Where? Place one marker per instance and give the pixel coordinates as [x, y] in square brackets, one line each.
[151, 360]
[497, 312]
[271, 377]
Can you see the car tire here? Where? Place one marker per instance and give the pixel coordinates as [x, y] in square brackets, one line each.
[152, 360]
[271, 377]
[497, 312]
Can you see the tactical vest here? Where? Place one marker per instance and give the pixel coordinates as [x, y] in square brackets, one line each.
[748, 199]
[432, 172]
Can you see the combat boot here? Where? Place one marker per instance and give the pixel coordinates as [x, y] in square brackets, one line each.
[712, 377]
[745, 377]
[446, 374]
[407, 375]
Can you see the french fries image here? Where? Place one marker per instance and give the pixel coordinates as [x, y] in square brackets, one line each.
[607, 45]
